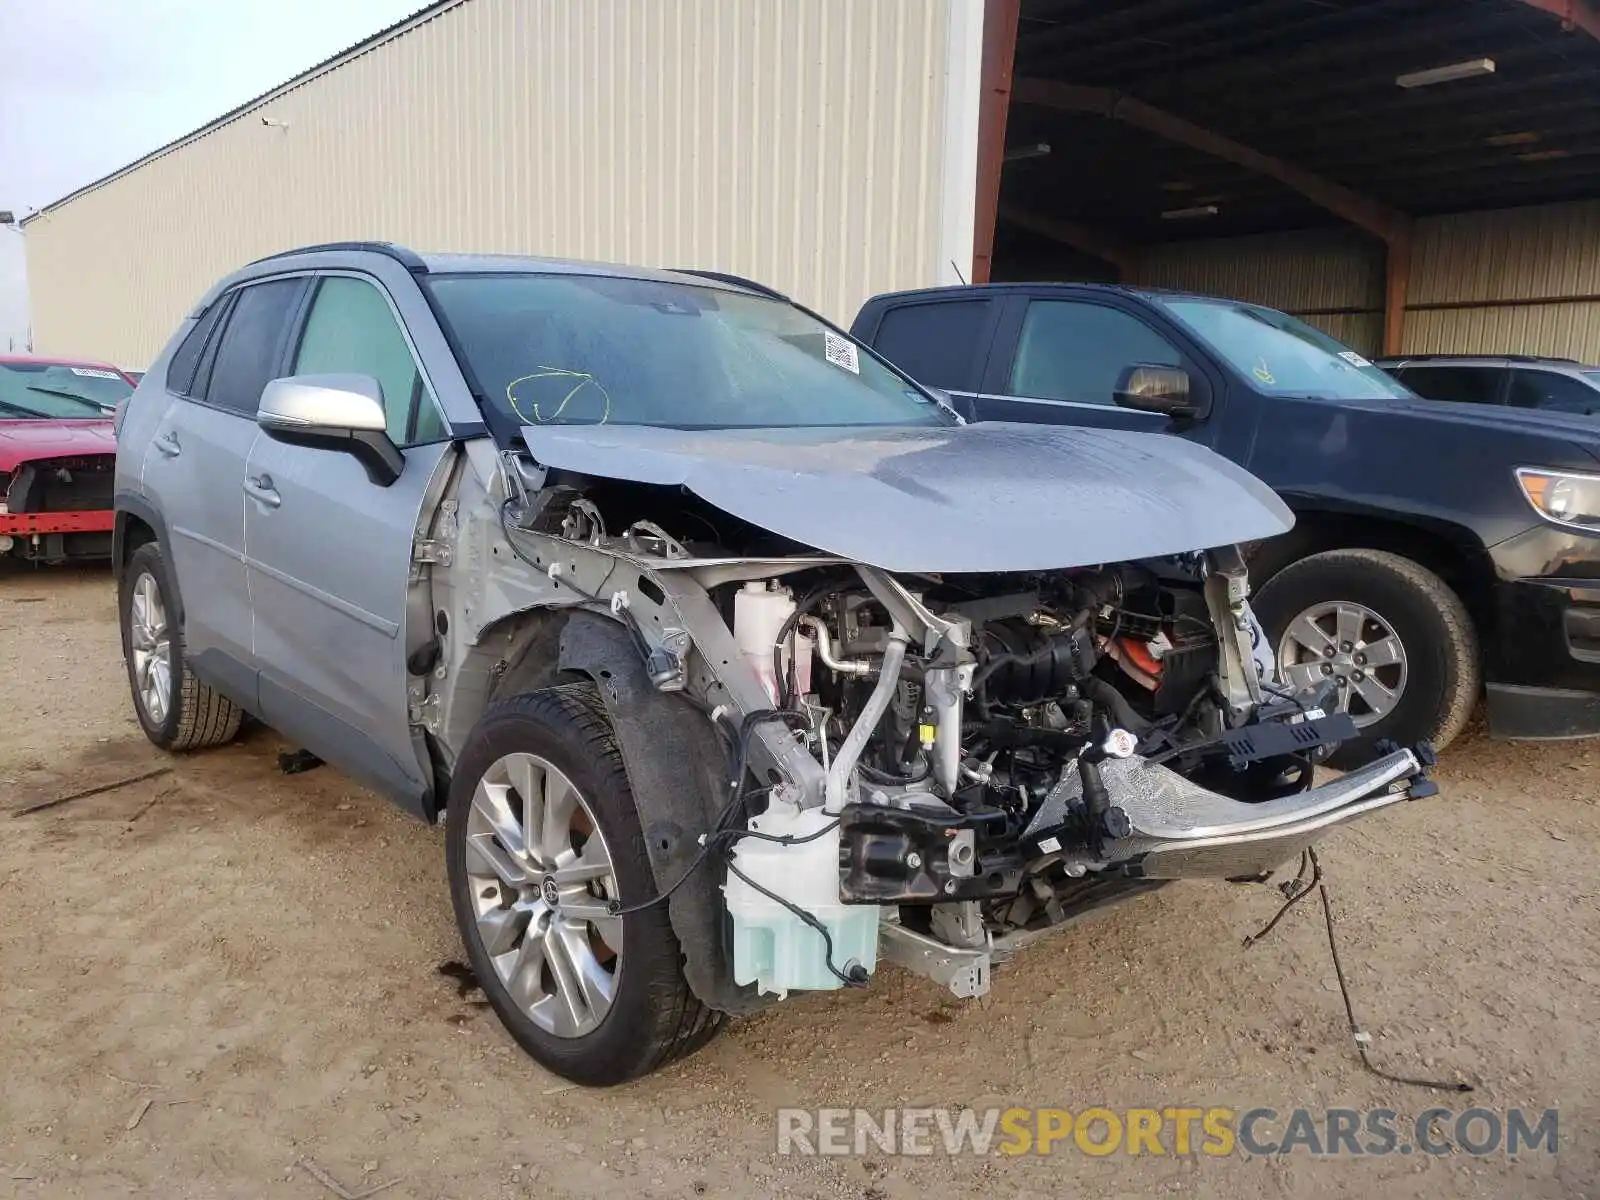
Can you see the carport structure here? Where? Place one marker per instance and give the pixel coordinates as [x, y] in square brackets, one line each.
[1177, 141]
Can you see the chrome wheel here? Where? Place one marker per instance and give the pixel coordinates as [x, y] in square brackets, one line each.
[541, 878]
[150, 642]
[1354, 646]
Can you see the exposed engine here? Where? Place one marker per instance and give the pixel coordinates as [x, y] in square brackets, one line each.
[943, 765]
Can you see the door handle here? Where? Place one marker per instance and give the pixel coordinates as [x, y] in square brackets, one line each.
[167, 443]
[259, 487]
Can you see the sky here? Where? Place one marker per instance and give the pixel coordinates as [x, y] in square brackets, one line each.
[87, 86]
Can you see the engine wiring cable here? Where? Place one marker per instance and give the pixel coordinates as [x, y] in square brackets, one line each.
[1301, 887]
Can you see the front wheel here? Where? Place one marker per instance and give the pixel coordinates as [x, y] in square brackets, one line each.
[542, 833]
[1395, 639]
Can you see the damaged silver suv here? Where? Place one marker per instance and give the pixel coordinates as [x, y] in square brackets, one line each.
[732, 661]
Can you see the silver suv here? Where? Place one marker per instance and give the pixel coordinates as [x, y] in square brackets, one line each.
[731, 659]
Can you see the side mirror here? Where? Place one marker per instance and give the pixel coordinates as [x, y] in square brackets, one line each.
[333, 412]
[1152, 389]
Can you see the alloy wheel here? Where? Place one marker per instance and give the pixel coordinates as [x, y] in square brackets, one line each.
[542, 878]
[150, 642]
[1355, 647]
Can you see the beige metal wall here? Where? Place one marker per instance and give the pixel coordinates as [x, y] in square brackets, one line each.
[800, 142]
[1513, 281]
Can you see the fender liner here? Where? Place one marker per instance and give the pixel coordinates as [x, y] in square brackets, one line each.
[129, 504]
[678, 770]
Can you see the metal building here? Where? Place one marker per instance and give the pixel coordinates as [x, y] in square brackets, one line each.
[1413, 175]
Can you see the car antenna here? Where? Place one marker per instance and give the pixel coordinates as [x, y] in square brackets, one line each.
[957, 270]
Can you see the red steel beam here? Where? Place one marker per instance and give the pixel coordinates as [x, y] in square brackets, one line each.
[1575, 14]
[1000, 20]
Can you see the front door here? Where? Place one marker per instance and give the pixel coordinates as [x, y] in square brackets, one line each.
[328, 552]
[1056, 361]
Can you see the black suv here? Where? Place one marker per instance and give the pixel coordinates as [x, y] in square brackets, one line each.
[1439, 547]
[1561, 385]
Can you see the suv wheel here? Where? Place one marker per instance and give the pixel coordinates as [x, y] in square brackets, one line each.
[1393, 636]
[177, 711]
[541, 834]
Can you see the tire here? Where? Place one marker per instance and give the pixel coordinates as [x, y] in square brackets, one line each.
[1439, 673]
[194, 716]
[653, 1018]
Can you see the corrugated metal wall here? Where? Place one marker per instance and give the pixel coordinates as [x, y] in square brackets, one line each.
[1514, 281]
[798, 142]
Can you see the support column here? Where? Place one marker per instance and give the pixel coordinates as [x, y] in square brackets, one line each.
[1000, 20]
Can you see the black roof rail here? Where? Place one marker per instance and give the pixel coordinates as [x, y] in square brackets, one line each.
[409, 259]
[1411, 358]
[735, 280]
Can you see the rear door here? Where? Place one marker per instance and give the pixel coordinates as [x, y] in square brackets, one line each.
[195, 466]
[1057, 357]
[940, 343]
[329, 552]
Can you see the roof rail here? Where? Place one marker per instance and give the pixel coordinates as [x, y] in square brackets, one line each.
[409, 259]
[1413, 358]
[735, 280]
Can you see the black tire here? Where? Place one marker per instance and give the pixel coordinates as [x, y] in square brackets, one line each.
[197, 716]
[1441, 645]
[654, 1018]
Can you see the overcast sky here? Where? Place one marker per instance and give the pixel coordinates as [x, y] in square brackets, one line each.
[87, 86]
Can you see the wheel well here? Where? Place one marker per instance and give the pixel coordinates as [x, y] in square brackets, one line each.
[135, 533]
[1450, 552]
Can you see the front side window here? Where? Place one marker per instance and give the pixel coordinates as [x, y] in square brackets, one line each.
[247, 355]
[36, 390]
[597, 350]
[1071, 350]
[1554, 392]
[1459, 385]
[1279, 354]
[352, 330]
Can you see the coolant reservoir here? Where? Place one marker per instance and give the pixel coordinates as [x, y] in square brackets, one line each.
[772, 947]
[759, 612]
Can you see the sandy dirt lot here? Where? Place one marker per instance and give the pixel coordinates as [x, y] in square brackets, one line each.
[265, 959]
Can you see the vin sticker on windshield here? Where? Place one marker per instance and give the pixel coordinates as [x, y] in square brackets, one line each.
[1354, 359]
[93, 372]
[841, 352]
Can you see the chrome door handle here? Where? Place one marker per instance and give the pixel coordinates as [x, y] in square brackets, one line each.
[167, 443]
[259, 487]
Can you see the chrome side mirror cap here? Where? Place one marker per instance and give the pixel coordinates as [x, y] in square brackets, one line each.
[333, 412]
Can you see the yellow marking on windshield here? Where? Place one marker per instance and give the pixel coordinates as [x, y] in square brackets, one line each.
[584, 379]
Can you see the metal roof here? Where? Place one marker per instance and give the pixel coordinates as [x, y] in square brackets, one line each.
[1311, 82]
[421, 15]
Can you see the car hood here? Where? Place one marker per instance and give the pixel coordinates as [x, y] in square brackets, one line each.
[25, 440]
[1575, 428]
[993, 496]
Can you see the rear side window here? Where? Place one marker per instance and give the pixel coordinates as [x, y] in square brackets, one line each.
[1074, 351]
[1463, 385]
[1553, 392]
[939, 344]
[252, 343]
[186, 359]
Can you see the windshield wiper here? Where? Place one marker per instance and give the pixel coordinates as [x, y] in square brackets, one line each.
[8, 406]
[73, 396]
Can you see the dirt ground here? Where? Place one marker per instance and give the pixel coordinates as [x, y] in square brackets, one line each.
[259, 957]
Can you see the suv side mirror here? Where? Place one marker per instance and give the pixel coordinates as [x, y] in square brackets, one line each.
[333, 412]
[1153, 389]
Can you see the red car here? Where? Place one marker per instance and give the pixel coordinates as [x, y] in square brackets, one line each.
[57, 454]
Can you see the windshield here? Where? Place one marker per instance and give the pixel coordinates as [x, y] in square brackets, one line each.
[1281, 355]
[48, 390]
[597, 350]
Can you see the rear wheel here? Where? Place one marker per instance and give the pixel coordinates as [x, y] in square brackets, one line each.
[542, 833]
[176, 710]
[1395, 639]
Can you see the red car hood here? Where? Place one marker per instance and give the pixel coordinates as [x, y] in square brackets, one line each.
[26, 440]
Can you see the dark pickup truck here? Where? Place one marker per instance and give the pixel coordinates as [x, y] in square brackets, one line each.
[1439, 549]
